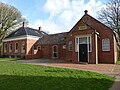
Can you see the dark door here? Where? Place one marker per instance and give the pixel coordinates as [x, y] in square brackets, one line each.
[83, 53]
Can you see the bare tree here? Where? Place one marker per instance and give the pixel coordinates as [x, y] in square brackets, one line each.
[110, 15]
[10, 18]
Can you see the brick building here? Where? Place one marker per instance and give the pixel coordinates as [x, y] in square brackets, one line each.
[89, 41]
[21, 43]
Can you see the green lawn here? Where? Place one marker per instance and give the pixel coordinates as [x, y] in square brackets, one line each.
[118, 62]
[9, 59]
[16, 76]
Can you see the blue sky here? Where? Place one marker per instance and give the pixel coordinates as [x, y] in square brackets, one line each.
[55, 16]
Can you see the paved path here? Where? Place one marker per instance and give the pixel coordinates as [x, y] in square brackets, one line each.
[109, 69]
[116, 73]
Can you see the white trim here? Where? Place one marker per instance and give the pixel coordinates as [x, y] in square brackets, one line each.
[96, 44]
[87, 36]
[21, 38]
[88, 49]
[87, 42]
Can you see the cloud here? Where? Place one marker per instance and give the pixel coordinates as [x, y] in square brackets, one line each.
[63, 14]
[46, 25]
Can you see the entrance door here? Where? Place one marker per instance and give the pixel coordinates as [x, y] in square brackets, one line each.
[55, 51]
[83, 53]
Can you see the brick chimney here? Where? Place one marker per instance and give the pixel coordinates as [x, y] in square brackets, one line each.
[86, 11]
[23, 24]
[39, 28]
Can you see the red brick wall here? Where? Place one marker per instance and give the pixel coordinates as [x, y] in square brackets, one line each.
[104, 32]
[19, 54]
[72, 55]
[47, 51]
[29, 54]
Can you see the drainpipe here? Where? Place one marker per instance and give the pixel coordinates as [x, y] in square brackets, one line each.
[96, 45]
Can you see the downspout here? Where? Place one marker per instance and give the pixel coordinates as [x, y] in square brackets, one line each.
[96, 46]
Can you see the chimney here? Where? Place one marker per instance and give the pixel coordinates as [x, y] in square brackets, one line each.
[23, 24]
[86, 11]
[39, 28]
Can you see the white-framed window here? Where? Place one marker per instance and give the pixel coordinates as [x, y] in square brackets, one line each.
[16, 47]
[70, 45]
[106, 44]
[23, 47]
[10, 47]
[83, 40]
[5, 47]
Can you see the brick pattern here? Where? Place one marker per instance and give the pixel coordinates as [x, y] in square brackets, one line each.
[13, 53]
[92, 27]
[47, 42]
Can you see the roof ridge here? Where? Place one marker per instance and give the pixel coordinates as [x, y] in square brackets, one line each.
[59, 33]
[25, 30]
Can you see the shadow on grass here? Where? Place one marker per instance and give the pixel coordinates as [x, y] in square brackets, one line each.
[9, 82]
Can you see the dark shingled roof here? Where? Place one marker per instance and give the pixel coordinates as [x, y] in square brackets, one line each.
[26, 31]
[59, 38]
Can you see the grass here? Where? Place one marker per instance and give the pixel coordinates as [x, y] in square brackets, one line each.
[16, 76]
[9, 59]
[118, 62]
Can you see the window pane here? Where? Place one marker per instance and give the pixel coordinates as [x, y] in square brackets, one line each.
[105, 45]
[76, 40]
[55, 55]
[70, 45]
[10, 47]
[55, 48]
[83, 40]
[23, 47]
[5, 47]
[16, 46]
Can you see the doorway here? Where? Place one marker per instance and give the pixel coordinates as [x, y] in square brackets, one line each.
[83, 53]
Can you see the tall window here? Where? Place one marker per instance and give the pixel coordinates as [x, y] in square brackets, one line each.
[5, 47]
[55, 51]
[16, 47]
[106, 44]
[76, 44]
[10, 47]
[23, 47]
[70, 46]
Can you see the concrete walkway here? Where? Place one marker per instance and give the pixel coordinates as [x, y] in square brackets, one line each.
[109, 69]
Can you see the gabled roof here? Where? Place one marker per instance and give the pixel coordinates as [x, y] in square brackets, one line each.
[59, 38]
[23, 31]
[86, 14]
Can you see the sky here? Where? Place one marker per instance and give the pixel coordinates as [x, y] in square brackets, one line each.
[55, 16]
